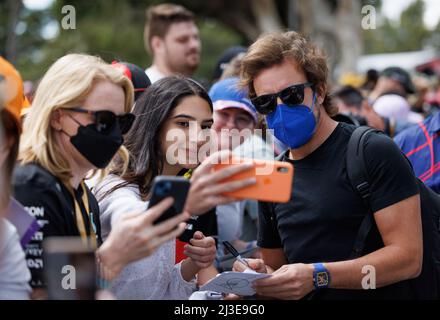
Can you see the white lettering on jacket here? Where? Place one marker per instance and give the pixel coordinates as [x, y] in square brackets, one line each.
[36, 211]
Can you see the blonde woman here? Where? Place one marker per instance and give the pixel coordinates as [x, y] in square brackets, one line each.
[76, 124]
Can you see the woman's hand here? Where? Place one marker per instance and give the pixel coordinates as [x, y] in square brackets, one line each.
[201, 253]
[206, 190]
[135, 237]
[201, 250]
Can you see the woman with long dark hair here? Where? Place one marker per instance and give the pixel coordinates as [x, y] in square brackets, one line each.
[165, 140]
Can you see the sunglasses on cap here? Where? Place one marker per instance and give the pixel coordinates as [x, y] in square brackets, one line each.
[105, 120]
[292, 95]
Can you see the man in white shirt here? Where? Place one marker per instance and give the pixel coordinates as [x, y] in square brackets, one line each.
[172, 38]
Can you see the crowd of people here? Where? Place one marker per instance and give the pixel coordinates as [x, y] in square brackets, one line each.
[82, 153]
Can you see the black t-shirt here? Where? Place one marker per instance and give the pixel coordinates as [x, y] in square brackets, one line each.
[50, 202]
[322, 219]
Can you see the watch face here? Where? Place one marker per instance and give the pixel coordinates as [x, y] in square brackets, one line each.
[322, 279]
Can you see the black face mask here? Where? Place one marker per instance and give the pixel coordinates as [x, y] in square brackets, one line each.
[96, 147]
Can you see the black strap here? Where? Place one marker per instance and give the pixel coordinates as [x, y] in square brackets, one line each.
[359, 179]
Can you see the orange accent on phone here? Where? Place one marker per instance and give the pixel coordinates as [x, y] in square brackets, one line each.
[274, 180]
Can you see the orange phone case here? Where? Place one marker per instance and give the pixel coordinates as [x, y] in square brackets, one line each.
[274, 180]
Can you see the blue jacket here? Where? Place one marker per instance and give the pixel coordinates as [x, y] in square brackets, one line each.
[421, 145]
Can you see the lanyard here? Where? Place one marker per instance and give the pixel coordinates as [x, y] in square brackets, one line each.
[188, 174]
[81, 224]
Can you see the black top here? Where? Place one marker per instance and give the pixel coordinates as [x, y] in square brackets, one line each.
[322, 219]
[50, 202]
[206, 223]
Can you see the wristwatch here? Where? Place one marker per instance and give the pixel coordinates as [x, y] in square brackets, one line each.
[321, 276]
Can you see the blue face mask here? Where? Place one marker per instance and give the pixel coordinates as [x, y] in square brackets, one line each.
[293, 125]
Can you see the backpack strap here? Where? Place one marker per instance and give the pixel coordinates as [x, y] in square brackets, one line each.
[359, 179]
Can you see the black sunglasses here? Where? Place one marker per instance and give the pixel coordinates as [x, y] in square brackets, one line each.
[292, 95]
[105, 120]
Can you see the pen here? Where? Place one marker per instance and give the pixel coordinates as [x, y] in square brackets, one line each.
[235, 253]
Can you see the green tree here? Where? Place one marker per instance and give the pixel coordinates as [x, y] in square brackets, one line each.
[434, 39]
[114, 30]
[412, 32]
[408, 34]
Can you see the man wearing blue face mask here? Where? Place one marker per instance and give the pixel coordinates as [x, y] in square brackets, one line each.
[306, 244]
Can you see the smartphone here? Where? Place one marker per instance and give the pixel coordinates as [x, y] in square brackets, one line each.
[69, 269]
[168, 186]
[274, 180]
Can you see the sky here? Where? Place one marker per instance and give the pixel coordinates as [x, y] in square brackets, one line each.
[393, 8]
[37, 4]
[390, 8]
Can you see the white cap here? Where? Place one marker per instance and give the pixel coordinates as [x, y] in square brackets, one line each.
[392, 106]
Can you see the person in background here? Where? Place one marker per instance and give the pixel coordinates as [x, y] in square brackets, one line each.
[224, 62]
[170, 117]
[392, 80]
[396, 107]
[78, 118]
[235, 121]
[421, 144]
[433, 98]
[390, 96]
[352, 103]
[14, 273]
[418, 102]
[137, 76]
[234, 114]
[371, 78]
[172, 38]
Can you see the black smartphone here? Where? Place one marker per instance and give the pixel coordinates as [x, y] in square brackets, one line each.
[168, 186]
[70, 269]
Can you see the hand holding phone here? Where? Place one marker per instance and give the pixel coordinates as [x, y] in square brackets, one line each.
[135, 237]
[168, 186]
[207, 189]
